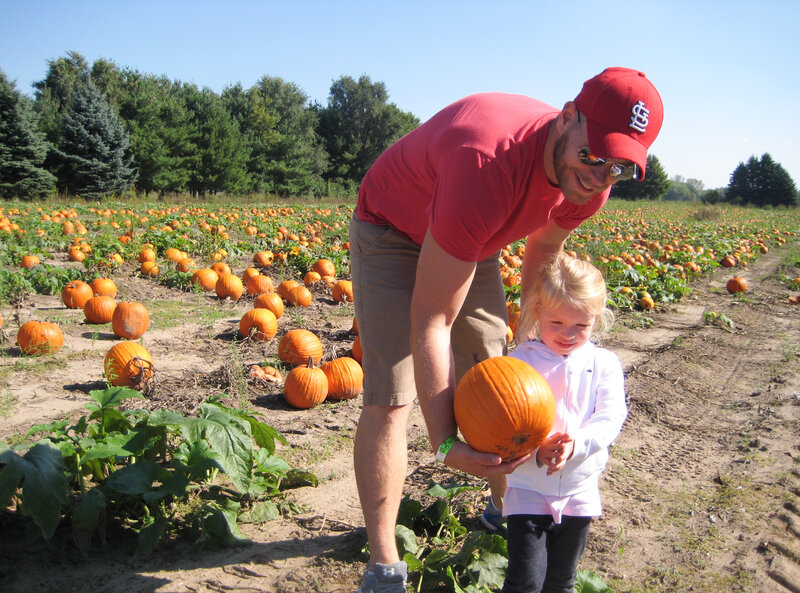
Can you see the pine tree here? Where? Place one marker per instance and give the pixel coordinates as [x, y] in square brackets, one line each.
[94, 148]
[654, 186]
[761, 182]
[23, 148]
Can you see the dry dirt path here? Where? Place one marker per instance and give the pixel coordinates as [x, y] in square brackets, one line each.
[701, 493]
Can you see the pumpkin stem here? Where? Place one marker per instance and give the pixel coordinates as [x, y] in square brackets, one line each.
[310, 363]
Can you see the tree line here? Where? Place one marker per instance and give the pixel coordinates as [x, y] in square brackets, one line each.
[99, 130]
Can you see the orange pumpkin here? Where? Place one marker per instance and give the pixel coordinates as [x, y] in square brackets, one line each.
[358, 352]
[260, 284]
[29, 261]
[146, 254]
[128, 364]
[249, 273]
[345, 378]
[311, 278]
[300, 296]
[736, 284]
[503, 405]
[206, 278]
[297, 345]
[258, 324]
[286, 287]
[221, 268]
[324, 267]
[149, 269]
[104, 287]
[271, 301]
[263, 258]
[343, 291]
[40, 337]
[305, 386]
[229, 286]
[76, 293]
[130, 320]
[99, 309]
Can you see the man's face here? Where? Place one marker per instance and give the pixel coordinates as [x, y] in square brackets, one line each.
[579, 182]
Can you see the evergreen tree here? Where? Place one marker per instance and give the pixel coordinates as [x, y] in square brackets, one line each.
[161, 131]
[654, 186]
[761, 182]
[22, 147]
[222, 154]
[94, 148]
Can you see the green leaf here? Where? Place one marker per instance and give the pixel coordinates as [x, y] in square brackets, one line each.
[436, 513]
[136, 478]
[297, 478]
[270, 464]
[113, 396]
[196, 459]
[150, 535]
[588, 582]
[231, 440]
[448, 490]
[414, 563]
[409, 511]
[406, 540]
[44, 485]
[217, 525]
[261, 512]
[485, 558]
[87, 511]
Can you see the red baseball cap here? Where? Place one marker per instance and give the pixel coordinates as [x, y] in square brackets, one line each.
[624, 113]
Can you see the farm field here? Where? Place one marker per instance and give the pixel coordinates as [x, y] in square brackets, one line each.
[702, 490]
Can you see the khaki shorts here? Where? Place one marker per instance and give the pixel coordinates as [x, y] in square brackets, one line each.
[383, 269]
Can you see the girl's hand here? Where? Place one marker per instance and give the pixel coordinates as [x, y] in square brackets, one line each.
[555, 451]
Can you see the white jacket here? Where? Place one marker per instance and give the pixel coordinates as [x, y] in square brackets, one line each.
[588, 387]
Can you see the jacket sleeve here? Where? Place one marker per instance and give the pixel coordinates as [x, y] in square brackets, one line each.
[610, 410]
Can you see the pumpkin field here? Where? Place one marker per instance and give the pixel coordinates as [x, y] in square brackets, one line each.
[180, 386]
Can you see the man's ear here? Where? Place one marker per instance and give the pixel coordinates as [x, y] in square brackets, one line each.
[567, 117]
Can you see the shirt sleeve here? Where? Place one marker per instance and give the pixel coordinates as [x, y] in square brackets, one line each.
[569, 216]
[610, 409]
[471, 202]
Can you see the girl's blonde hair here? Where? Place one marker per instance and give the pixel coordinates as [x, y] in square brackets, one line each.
[564, 280]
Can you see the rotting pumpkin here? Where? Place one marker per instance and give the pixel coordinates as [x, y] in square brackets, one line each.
[128, 364]
[504, 406]
[130, 320]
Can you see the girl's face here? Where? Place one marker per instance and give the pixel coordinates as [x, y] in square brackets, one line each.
[565, 328]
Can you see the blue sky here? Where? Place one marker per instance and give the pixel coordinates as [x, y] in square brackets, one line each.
[726, 70]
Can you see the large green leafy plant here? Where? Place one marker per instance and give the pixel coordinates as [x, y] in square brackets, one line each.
[157, 472]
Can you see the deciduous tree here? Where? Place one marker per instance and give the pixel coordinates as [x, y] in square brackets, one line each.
[358, 124]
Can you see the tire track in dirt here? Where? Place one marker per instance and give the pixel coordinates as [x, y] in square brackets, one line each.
[697, 487]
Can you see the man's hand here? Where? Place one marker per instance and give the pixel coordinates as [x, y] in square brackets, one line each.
[467, 459]
[555, 451]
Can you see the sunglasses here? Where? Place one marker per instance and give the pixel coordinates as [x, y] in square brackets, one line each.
[617, 171]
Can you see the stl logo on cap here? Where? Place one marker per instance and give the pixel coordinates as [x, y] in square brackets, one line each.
[640, 117]
[624, 114]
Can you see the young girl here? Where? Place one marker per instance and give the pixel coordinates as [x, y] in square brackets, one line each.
[552, 498]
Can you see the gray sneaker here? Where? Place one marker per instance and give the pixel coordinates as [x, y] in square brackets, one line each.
[493, 519]
[385, 578]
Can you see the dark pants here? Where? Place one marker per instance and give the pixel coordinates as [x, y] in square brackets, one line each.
[542, 556]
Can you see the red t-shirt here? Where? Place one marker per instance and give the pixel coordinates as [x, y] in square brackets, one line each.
[473, 174]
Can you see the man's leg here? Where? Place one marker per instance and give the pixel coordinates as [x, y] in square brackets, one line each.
[381, 463]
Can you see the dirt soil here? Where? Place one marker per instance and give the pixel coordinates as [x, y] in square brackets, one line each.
[701, 493]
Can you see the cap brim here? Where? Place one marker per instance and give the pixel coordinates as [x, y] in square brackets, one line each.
[608, 144]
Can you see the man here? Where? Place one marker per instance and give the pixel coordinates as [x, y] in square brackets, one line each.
[433, 212]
